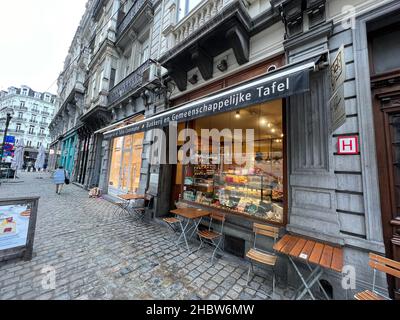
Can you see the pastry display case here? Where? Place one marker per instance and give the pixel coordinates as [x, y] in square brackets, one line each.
[252, 192]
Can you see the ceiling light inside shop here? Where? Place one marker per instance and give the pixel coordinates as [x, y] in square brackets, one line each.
[237, 116]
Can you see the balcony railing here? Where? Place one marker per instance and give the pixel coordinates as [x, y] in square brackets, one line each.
[16, 131]
[45, 113]
[43, 123]
[131, 83]
[196, 19]
[22, 108]
[131, 15]
[35, 111]
[33, 121]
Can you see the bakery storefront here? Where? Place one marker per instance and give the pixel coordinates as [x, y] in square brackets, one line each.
[252, 189]
[126, 160]
[252, 184]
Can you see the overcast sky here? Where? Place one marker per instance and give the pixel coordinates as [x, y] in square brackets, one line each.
[35, 36]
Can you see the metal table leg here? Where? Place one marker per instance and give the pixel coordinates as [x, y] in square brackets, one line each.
[307, 288]
[319, 284]
[183, 234]
[195, 227]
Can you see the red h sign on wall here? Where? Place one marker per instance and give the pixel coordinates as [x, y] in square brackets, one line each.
[348, 145]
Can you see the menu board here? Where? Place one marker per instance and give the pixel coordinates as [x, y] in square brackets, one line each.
[14, 225]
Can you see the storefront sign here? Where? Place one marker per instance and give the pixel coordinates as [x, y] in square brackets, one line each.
[17, 227]
[348, 145]
[337, 102]
[338, 109]
[274, 86]
[338, 70]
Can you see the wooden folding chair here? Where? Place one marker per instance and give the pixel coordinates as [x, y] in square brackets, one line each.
[213, 236]
[139, 212]
[379, 263]
[173, 223]
[260, 256]
[121, 207]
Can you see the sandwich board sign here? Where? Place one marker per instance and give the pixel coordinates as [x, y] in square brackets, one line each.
[17, 227]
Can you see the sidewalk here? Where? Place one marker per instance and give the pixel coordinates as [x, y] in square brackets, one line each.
[98, 255]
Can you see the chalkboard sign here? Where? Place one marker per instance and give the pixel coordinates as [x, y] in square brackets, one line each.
[17, 227]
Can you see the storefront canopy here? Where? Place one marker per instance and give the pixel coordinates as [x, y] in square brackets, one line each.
[281, 83]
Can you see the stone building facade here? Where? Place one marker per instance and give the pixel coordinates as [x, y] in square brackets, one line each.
[160, 60]
[32, 112]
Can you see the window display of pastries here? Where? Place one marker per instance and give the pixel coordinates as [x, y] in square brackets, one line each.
[250, 191]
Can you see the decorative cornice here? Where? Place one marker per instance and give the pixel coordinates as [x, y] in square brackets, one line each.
[324, 30]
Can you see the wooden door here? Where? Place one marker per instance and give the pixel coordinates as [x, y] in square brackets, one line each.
[386, 95]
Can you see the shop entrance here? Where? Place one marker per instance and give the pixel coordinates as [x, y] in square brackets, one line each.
[126, 161]
[385, 82]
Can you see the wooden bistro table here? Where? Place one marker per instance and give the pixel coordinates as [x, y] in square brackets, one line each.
[131, 196]
[192, 218]
[313, 253]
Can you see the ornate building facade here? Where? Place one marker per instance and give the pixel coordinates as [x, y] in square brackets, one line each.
[31, 112]
[246, 64]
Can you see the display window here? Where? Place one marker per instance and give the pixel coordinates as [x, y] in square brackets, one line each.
[126, 162]
[254, 187]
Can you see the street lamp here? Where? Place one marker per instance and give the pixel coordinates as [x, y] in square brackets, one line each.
[8, 119]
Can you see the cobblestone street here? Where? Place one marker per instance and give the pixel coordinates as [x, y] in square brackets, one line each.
[99, 255]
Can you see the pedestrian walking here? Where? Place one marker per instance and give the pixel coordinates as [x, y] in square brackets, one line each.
[60, 177]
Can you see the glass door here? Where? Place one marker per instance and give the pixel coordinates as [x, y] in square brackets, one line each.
[115, 167]
[126, 163]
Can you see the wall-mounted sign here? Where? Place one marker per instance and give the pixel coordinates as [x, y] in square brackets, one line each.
[153, 184]
[338, 70]
[338, 109]
[348, 145]
[10, 139]
[266, 88]
[337, 102]
[17, 227]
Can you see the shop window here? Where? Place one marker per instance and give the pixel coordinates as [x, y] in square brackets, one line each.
[126, 162]
[252, 186]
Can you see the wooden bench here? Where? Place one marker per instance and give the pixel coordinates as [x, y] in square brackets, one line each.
[382, 264]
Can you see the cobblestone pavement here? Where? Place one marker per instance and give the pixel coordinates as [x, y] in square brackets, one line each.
[99, 255]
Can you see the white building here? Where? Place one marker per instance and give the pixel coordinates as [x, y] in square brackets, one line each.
[31, 111]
